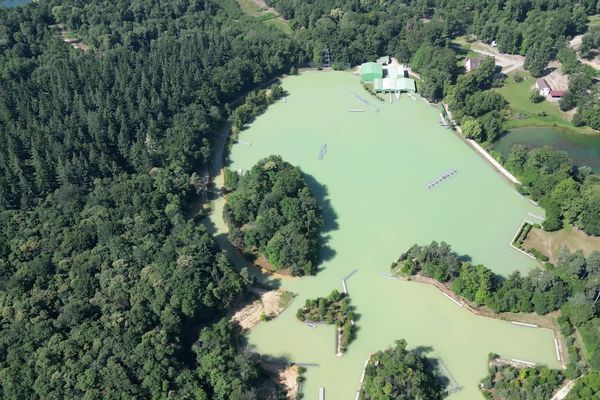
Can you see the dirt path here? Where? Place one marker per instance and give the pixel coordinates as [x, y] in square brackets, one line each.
[547, 321]
[563, 391]
[508, 62]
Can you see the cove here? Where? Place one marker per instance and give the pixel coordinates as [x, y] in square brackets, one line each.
[583, 149]
[372, 185]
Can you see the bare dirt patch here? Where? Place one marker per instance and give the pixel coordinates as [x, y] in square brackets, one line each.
[552, 243]
[287, 377]
[270, 303]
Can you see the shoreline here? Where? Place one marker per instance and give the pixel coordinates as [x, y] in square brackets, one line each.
[517, 318]
[480, 150]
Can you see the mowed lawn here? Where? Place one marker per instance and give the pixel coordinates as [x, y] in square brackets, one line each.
[552, 243]
[546, 113]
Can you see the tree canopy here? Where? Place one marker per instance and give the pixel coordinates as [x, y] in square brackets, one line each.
[401, 374]
[273, 212]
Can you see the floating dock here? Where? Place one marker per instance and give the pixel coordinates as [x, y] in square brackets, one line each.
[441, 178]
[284, 100]
[443, 120]
[356, 110]
[323, 151]
[528, 363]
[344, 287]
[244, 142]
[321, 393]
[524, 324]
[388, 276]
[458, 303]
[557, 348]
[535, 216]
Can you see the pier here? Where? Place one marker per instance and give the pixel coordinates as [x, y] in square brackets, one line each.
[244, 142]
[356, 110]
[441, 178]
[454, 386]
[321, 393]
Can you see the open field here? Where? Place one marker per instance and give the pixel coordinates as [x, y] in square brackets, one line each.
[551, 243]
[526, 113]
[259, 10]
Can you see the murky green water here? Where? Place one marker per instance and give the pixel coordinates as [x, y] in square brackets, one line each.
[583, 149]
[13, 3]
[373, 181]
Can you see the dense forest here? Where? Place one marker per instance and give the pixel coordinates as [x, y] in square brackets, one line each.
[272, 212]
[399, 374]
[110, 287]
[572, 286]
[570, 195]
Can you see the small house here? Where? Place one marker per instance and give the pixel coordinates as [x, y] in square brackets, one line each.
[543, 87]
[472, 63]
[557, 94]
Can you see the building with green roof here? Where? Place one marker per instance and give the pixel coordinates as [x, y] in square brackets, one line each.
[370, 71]
[386, 85]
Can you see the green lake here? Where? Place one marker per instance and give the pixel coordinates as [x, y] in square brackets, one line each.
[583, 149]
[371, 183]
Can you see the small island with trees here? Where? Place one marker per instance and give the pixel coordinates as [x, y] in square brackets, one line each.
[398, 373]
[271, 212]
[334, 309]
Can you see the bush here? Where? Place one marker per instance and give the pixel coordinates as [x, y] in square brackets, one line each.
[518, 78]
[536, 97]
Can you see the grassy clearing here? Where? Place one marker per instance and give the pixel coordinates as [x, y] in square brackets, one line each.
[551, 243]
[526, 113]
[250, 8]
[594, 21]
[285, 299]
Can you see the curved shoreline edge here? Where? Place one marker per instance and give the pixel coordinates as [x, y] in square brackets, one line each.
[506, 317]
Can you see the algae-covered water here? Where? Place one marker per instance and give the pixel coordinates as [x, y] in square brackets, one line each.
[371, 183]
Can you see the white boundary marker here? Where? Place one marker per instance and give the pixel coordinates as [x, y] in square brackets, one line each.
[524, 324]
[458, 303]
[557, 348]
